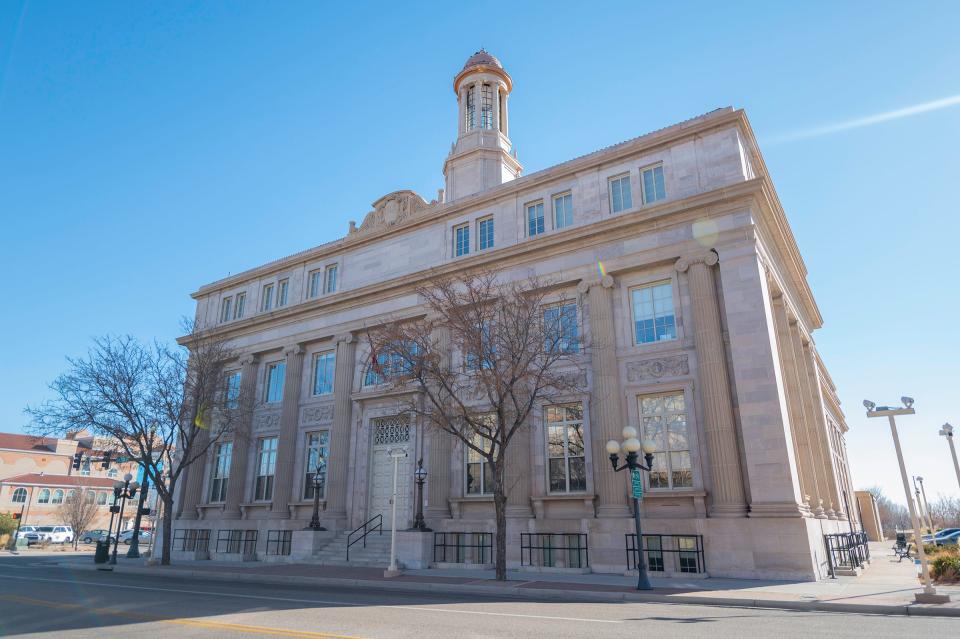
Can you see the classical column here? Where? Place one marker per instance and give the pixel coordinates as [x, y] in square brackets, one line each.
[506, 119]
[728, 498]
[192, 494]
[606, 414]
[495, 105]
[788, 370]
[806, 431]
[339, 464]
[289, 417]
[440, 452]
[832, 489]
[241, 438]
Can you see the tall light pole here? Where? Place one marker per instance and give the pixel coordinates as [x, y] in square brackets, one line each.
[947, 431]
[317, 482]
[926, 504]
[122, 491]
[929, 594]
[396, 454]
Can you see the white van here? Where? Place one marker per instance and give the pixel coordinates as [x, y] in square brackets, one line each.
[55, 534]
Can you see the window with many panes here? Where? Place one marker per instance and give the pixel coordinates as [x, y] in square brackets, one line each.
[44, 496]
[330, 279]
[562, 331]
[653, 187]
[233, 389]
[226, 309]
[317, 453]
[621, 198]
[461, 240]
[486, 106]
[101, 499]
[473, 360]
[485, 233]
[479, 474]
[273, 382]
[562, 210]
[220, 473]
[535, 225]
[653, 314]
[266, 467]
[20, 496]
[282, 287]
[663, 418]
[565, 449]
[238, 306]
[315, 286]
[387, 365]
[57, 497]
[471, 109]
[323, 371]
[266, 299]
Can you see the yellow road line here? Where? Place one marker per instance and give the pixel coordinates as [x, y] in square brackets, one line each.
[214, 625]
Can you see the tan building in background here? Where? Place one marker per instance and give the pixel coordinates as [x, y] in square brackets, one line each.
[869, 515]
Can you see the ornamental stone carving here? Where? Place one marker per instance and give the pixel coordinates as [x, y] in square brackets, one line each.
[390, 210]
[317, 414]
[266, 421]
[673, 366]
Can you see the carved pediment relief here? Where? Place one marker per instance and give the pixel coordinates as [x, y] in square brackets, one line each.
[390, 210]
[674, 366]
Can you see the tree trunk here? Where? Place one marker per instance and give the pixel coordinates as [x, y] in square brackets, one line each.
[167, 529]
[500, 506]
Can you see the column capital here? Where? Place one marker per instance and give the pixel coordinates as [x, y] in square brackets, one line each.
[293, 349]
[247, 359]
[606, 281]
[709, 258]
[345, 338]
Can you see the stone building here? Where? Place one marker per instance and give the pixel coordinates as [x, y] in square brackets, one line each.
[671, 248]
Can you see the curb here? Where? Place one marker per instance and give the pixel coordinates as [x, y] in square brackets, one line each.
[911, 610]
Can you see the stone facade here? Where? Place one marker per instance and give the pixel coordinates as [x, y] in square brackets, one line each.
[686, 280]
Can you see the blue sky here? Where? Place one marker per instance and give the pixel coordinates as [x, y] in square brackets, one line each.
[146, 149]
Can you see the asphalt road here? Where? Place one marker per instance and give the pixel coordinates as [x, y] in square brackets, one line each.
[38, 599]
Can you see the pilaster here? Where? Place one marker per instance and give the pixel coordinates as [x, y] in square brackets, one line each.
[806, 430]
[287, 445]
[243, 433]
[339, 463]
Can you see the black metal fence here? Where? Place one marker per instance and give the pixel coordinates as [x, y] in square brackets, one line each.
[554, 550]
[846, 550]
[668, 553]
[463, 547]
[191, 539]
[278, 542]
[235, 542]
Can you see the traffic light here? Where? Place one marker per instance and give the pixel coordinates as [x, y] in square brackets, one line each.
[77, 460]
[105, 462]
[17, 516]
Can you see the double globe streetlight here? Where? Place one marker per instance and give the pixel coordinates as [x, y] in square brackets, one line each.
[631, 447]
[122, 491]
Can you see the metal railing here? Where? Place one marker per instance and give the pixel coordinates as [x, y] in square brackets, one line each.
[463, 547]
[235, 542]
[191, 539]
[846, 550]
[554, 550]
[685, 553]
[279, 541]
[364, 530]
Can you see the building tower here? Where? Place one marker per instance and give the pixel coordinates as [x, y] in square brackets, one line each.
[481, 158]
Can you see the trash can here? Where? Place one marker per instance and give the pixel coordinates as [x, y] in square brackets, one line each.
[102, 553]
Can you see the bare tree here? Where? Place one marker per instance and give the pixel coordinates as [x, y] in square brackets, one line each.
[945, 512]
[77, 511]
[893, 516]
[162, 407]
[514, 353]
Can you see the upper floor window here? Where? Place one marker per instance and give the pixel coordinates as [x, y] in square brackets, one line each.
[282, 287]
[316, 462]
[233, 389]
[330, 279]
[565, 448]
[664, 420]
[226, 309]
[113, 473]
[535, 224]
[57, 497]
[324, 365]
[653, 188]
[470, 112]
[485, 233]
[486, 106]
[266, 468]
[266, 300]
[562, 331]
[485, 358]
[220, 472]
[316, 283]
[238, 307]
[461, 240]
[562, 210]
[653, 315]
[621, 198]
[387, 365]
[20, 495]
[479, 480]
[44, 496]
[273, 391]
[85, 469]
[101, 499]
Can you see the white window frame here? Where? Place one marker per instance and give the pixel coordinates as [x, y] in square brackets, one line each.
[480, 223]
[331, 271]
[465, 227]
[271, 366]
[561, 197]
[643, 185]
[559, 305]
[266, 298]
[619, 180]
[480, 460]
[541, 220]
[314, 283]
[226, 309]
[332, 354]
[238, 305]
[309, 461]
[566, 425]
[232, 395]
[667, 452]
[220, 472]
[283, 291]
[266, 468]
[633, 316]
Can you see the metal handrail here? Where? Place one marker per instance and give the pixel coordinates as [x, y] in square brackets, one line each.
[363, 537]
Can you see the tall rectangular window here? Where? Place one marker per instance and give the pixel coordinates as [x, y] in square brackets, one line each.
[471, 109]
[315, 279]
[238, 307]
[266, 299]
[479, 474]
[535, 224]
[485, 233]
[330, 279]
[273, 391]
[226, 309]
[266, 467]
[486, 107]
[386, 365]
[565, 448]
[562, 330]
[220, 473]
[282, 288]
[324, 365]
[653, 315]
[233, 389]
[653, 188]
[562, 210]
[316, 453]
[461, 240]
[664, 420]
[485, 358]
[621, 198]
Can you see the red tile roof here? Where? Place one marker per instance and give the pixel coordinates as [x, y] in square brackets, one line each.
[19, 441]
[41, 479]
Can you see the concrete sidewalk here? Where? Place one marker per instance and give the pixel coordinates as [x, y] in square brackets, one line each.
[885, 587]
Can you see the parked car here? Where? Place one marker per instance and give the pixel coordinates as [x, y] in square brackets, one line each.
[93, 536]
[53, 534]
[934, 538]
[24, 530]
[127, 536]
[950, 539]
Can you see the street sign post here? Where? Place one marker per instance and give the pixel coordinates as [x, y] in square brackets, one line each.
[636, 483]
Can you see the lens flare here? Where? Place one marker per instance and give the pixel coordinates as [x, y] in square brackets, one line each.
[601, 268]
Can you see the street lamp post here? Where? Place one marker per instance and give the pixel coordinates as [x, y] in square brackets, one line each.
[122, 491]
[317, 486]
[926, 504]
[134, 551]
[929, 594]
[631, 447]
[947, 431]
[421, 476]
[396, 454]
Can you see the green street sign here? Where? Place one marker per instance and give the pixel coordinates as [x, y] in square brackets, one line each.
[637, 483]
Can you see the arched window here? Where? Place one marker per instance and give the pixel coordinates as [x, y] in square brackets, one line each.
[20, 495]
[44, 496]
[90, 496]
[71, 495]
[58, 496]
[112, 473]
[101, 499]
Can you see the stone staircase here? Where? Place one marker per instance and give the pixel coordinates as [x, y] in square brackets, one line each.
[376, 554]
